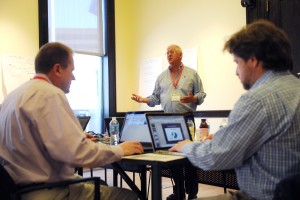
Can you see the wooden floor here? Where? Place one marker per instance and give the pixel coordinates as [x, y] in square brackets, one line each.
[204, 190]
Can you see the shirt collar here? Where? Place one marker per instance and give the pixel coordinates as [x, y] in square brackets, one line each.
[180, 67]
[44, 76]
[266, 77]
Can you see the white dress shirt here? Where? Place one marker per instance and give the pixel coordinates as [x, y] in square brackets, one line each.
[41, 139]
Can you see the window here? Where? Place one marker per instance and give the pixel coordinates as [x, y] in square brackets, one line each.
[85, 95]
[79, 24]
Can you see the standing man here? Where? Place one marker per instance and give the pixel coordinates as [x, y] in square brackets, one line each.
[262, 138]
[41, 139]
[177, 89]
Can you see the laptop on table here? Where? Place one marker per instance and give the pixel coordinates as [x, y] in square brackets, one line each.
[84, 120]
[135, 128]
[166, 129]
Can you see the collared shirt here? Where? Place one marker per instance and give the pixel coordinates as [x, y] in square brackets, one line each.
[262, 139]
[189, 82]
[41, 139]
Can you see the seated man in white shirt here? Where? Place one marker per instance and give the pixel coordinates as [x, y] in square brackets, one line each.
[41, 139]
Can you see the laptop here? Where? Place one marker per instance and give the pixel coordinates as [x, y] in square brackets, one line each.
[135, 128]
[84, 120]
[166, 129]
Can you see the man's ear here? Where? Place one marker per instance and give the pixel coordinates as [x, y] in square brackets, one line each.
[56, 69]
[254, 61]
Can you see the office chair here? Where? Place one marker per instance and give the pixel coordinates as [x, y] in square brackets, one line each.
[288, 188]
[9, 190]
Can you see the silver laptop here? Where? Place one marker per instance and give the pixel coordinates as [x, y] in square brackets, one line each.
[135, 128]
[166, 129]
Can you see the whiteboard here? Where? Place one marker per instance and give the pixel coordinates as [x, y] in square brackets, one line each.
[14, 71]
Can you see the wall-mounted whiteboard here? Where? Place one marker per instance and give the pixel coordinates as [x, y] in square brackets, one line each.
[14, 70]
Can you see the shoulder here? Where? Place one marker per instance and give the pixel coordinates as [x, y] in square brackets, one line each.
[47, 89]
[189, 70]
[273, 84]
[163, 74]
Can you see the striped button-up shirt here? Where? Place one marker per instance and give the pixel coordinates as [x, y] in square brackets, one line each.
[262, 139]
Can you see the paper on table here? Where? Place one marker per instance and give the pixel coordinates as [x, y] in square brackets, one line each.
[154, 157]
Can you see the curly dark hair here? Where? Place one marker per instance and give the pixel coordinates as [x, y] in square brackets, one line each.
[50, 54]
[263, 40]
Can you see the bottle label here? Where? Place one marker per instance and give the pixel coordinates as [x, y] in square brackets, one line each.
[114, 129]
[203, 133]
[192, 131]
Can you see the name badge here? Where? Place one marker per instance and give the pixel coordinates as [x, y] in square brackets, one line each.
[175, 97]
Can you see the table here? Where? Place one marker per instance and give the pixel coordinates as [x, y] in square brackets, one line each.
[156, 162]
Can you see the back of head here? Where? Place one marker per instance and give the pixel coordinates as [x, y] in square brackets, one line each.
[263, 40]
[51, 54]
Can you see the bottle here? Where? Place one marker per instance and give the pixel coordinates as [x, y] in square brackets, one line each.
[208, 125]
[203, 129]
[223, 123]
[114, 131]
[191, 127]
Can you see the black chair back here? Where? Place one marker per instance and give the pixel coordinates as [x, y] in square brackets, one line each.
[7, 185]
[288, 188]
[9, 190]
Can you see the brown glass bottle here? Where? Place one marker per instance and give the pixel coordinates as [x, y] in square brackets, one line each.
[203, 129]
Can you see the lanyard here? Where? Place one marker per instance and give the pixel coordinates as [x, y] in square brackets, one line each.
[175, 82]
[41, 78]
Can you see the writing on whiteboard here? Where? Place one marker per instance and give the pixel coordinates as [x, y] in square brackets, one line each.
[15, 70]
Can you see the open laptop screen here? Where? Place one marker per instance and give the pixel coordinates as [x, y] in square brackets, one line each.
[135, 128]
[84, 120]
[167, 129]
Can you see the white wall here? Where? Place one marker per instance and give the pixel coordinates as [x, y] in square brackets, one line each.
[144, 29]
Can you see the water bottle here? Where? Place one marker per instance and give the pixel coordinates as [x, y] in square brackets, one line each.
[114, 131]
[223, 123]
[191, 127]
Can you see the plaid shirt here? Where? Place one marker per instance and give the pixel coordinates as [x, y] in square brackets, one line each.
[262, 139]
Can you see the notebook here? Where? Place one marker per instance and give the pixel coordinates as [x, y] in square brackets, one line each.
[135, 128]
[166, 129]
[84, 120]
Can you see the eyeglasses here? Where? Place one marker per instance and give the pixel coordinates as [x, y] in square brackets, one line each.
[171, 52]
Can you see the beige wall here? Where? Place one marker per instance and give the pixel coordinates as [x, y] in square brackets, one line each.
[144, 28]
[18, 33]
[19, 27]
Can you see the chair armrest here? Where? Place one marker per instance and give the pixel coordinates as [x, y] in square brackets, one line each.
[31, 188]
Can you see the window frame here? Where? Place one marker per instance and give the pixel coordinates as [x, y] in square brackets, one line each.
[109, 63]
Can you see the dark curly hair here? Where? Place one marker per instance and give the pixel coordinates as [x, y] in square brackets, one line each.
[263, 40]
